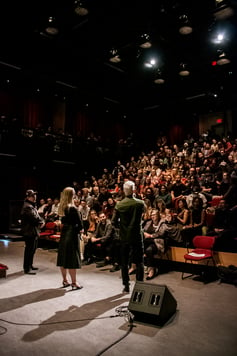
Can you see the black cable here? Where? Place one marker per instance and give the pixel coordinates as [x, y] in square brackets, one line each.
[4, 330]
[54, 322]
[122, 311]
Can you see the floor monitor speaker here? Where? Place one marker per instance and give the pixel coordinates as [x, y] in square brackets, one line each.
[152, 303]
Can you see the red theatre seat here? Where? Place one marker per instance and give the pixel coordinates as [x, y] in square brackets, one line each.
[48, 230]
[203, 250]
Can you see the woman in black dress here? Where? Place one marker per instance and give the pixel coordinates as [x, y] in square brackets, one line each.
[69, 248]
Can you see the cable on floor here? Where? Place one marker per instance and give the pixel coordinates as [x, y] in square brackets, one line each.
[51, 323]
[121, 311]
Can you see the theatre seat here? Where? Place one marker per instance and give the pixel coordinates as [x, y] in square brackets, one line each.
[55, 237]
[215, 201]
[49, 229]
[202, 251]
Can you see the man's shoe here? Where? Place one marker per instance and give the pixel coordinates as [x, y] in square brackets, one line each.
[115, 268]
[34, 268]
[126, 288]
[102, 263]
[29, 272]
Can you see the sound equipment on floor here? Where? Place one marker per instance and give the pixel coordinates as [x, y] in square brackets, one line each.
[152, 303]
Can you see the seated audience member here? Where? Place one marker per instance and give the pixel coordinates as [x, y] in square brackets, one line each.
[165, 195]
[157, 232]
[178, 189]
[108, 207]
[95, 194]
[104, 195]
[152, 244]
[111, 182]
[93, 221]
[165, 213]
[224, 227]
[196, 222]
[148, 210]
[181, 214]
[48, 209]
[53, 215]
[87, 196]
[223, 184]
[209, 186]
[191, 183]
[84, 211]
[231, 195]
[99, 245]
[196, 193]
[42, 205]
[149, 193]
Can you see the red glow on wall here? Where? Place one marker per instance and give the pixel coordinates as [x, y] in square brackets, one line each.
[219, 121]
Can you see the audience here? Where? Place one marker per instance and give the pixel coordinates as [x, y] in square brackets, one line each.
[169, 178]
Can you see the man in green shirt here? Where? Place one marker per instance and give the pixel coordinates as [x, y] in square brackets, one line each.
[127, 217]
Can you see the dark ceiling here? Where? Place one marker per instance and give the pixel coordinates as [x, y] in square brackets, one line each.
[76, 60]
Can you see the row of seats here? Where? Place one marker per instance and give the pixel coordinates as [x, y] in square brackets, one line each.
[50, 232]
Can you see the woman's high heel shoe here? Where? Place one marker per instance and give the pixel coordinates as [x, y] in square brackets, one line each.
[76, 286]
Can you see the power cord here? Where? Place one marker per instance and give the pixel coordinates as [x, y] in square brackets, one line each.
[129, 317]
[51, 323]
[121, 311]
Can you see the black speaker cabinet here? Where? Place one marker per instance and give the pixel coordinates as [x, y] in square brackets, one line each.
[152, 303]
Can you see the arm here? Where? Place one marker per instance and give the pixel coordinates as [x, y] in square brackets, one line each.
[203, 218]
[183, 219]
[108, 233]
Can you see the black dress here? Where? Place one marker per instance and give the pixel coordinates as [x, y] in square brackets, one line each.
[69, 247]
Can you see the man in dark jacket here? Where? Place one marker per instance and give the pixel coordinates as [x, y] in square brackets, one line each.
[31, 223]
[127, 216]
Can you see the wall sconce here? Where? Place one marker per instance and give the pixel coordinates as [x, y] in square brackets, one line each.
[159, 78]
[114, 56]
[80, 8]
[223, 9]
[144, 41]
[184, 72]
[222, 58]
[185, 27]
[51, 27]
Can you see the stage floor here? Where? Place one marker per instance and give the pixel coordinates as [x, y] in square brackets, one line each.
[40, 318]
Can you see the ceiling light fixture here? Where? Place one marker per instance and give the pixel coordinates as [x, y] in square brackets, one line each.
[185, 27]
[51, 28]
[114, 56]
[150, 64]
[144, 41]
[184, 72]
[80, 8]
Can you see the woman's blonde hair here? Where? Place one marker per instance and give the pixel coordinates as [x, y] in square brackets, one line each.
[66, 200]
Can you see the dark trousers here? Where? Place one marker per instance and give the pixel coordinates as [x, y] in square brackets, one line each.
[137, 252]
[31, 244]
[96, 250]
[150, 250]
[115, 252]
